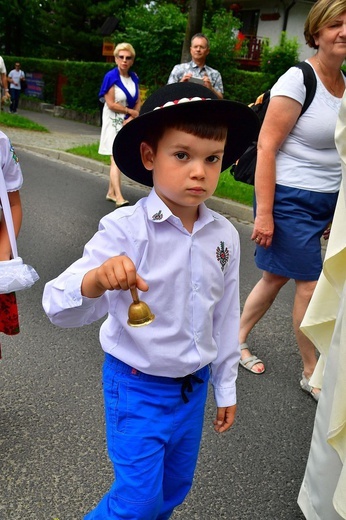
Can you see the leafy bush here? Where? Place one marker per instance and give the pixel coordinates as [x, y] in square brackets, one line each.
[276, 60]
[83, 80]
[244, 86]
[222, 34]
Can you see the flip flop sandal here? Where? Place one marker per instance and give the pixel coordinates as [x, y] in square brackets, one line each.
[249, 362]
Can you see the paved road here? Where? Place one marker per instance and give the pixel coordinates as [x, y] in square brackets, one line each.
[53, 460]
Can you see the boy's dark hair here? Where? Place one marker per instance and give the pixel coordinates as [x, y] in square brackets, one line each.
[202, 129]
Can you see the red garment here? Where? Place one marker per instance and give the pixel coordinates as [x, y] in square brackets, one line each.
[9, 321]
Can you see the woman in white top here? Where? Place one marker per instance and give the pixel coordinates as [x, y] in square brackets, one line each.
[297, 180]
[120, 90]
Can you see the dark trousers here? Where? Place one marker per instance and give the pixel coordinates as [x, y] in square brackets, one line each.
[15, 93]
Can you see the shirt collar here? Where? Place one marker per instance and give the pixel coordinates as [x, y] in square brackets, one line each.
[195, 66]
[156, 208]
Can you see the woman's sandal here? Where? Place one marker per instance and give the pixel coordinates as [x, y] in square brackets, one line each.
[121, 204]
[249, 362]
[306, 387]
[112, 199]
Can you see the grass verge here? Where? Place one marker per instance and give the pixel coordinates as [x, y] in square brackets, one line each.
[16, 121]
[227, 187]
[91, 152]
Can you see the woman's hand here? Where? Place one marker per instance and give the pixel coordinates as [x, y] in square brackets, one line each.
[326, 232]
[263, 230]
[132, 112]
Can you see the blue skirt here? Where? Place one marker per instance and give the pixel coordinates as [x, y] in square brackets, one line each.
[300, 218]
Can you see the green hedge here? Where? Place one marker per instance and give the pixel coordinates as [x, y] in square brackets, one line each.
[84, 80]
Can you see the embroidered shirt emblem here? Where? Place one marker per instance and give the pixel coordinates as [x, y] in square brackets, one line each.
[158, 215]
[222, 255]
[14, 155]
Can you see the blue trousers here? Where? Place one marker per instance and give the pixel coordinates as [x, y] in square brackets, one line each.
[15, 94]
[154, 428]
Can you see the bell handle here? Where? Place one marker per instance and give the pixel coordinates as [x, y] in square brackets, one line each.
[134, 294]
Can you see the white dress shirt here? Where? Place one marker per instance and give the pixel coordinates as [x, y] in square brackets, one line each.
[193, 291]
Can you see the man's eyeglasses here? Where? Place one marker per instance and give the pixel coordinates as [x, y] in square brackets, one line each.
[127, 58]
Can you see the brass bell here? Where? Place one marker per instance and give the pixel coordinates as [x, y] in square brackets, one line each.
[139, 312]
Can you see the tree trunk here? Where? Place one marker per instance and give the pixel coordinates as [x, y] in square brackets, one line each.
[194, 25]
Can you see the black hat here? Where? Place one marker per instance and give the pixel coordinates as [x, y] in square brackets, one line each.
[190, 101]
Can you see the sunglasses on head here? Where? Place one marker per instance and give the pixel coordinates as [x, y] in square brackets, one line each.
[127, 58]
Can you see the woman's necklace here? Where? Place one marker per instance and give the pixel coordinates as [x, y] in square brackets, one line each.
[335, 87]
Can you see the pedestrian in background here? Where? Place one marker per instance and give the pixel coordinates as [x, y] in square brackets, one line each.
[120, 90]
[15, 78]
[197, 69]
[297, 180]
[155, 378]
[323, 491]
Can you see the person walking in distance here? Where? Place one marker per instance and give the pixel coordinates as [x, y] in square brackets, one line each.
[15, 78]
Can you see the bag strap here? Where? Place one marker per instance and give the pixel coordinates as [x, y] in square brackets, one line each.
[7, 214]
[310, 83]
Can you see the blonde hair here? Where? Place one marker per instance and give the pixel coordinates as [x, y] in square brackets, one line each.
[124, 47]
[322, 12]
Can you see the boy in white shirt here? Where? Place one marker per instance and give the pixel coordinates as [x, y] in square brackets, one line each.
[186, 256]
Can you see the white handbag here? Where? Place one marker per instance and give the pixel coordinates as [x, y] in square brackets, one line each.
[14, 274]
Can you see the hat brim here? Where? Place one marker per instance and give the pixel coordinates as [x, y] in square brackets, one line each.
[241, 121]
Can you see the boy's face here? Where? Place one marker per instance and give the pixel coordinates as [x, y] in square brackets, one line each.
[185, 168]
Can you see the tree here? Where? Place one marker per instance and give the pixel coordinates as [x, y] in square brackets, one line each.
[193, 26]
[156, 33]
[73, 28]
[57, 29]
[19, 26]
[222, 30]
